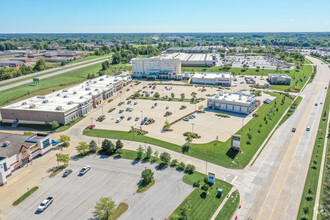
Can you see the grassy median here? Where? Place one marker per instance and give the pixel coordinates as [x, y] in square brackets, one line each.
[228, 210]
[307, 202]
[27, 194]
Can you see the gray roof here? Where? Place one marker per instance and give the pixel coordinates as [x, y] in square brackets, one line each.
[10, 62]
[16, 142]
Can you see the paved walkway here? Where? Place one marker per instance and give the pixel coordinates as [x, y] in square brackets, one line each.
[233, 189]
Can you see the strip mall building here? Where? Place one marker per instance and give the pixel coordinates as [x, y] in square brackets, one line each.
[18, 150]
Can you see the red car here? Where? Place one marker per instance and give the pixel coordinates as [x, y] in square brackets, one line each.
[92, 126]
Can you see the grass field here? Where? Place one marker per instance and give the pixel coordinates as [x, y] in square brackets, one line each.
[219, 152]
[200, 207]
[142, 189]
[298, 79]
[309, 193]
[121, 208]
[228, 210]
[292, 109]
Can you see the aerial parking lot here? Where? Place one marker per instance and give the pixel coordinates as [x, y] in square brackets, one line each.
[75, 195]
[132, 112]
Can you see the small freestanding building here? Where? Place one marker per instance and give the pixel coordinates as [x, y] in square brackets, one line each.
[232, 102]
[281, 79]
[223, 79]
[17, 150]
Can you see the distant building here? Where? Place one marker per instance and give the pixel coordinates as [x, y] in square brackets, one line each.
[282, 79]
[224, 79]
[22, 59]
[232, 102]
[197, 49]
[10, 63]
[193, 60]
[156, 67]
[66, 105]
[17, 150]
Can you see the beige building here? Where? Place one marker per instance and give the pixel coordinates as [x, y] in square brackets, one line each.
[196, 59]
[156, 67]
[65, 105]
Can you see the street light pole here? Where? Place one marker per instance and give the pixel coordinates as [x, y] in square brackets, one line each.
[192, 127]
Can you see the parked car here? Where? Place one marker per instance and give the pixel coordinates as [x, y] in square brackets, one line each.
[315, 104]
[293, 129]
[67, 172]
[55, 142]
[121, 111]
[127, 109]
[129, 118]
[137, 118]
[190, 117]
[92, 126]
[193, 116]
[186, 119]
[145, 119]
[308, 129]
[122, 117]
[142, 122]
[129, 102]
[135, 103]
[85, 169]
[167, 107]
[118, 120]
[101, 119]
[45, 204]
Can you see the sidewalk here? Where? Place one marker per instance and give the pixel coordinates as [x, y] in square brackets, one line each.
[233, 189]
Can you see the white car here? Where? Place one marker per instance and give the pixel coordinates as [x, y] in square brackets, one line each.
[308, 129]
[45, 204]
[85, 169]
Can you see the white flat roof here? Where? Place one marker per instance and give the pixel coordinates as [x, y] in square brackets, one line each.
[190, 57]
[210, 75]
[69, 98]
[233, 97]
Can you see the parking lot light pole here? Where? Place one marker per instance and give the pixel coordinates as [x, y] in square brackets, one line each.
[192, 127]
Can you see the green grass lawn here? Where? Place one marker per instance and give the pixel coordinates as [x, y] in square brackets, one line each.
[201, 208]
[218, 152]
[309, 193]
[291, 110]
[121, 208]
[142, 189]
[228, 210]
[298, 79]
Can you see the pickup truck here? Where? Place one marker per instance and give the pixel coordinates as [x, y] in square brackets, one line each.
[45, 204]
[85, 169]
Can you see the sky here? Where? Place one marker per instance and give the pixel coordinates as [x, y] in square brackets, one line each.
[163, 16]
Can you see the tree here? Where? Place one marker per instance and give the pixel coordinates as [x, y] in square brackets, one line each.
[93, 146]
[165, 157]
[174, 162]
[119, 145]
[156, 153]
[82, 148]
[140, 152]
[157, 95]
[182, 96]
[63, 158]
[172, 95]
[104, 208]
[185, 210]
[181, 166]
[149, 152]
[147, 176]
[64, 139]
[188, 139]
[190, 168]
[108, 147]
[40, 65]
[200, 108]
[55, 125]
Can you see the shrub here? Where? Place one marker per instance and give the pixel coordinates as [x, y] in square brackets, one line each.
[174, 163]
[111, 110]
[197, 183]
[183, 107]
[193, 135]
[181, 166]
[110, 100]
[167, 113]
[120, 103]
[165, 157]
[190, 168]
[222, 115]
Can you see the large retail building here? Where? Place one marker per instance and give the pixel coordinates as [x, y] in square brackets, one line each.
[65, 105]
[232, 102]
[193, 60]
[223, 79]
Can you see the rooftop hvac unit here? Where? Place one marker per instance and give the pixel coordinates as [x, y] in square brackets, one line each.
[41, 97]
[6, 143]
[87, 88]
[90, 93]
[45, 101]
[59, 108]
[64, 90]
[24, 103]
[71, 102]
[32, 106]
[58, 94]
[101, 79]
[96, 89]
[81, 97]
[95, 81]
[65, 96]
[75, 92]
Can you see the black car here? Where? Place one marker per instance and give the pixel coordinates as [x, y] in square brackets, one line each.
[293, 129]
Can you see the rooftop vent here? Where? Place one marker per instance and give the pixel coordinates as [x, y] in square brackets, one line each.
[75, 92]
[41, 97]
[45, 101]
[101, 79]
[71, 102]
[81, 97]
[24, 103]
[65, 96]
[87, 88]
[58, 94]
[64, 90]
[32, 106]
[59, 108]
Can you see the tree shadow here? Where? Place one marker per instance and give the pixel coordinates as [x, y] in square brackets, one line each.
[161, 166]
[232, 153]
[134, 162]
[203, 195]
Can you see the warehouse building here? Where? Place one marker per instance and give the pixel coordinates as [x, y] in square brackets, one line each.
[193, 60]
[156, 67]
[281, 79]
[197, 49]
[223, 79]
[17, 150]
[232, 102]
[65, 105]
[11, 63]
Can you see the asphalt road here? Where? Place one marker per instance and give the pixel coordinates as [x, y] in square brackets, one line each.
[74, 67]
[75, 196]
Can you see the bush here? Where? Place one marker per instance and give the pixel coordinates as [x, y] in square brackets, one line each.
[111, 110]
[197, 183]
[165, 157]
[181, 166]
[185, 148]
[190, 168]
[222, 115]
[174, 163]
[110, 100]
[167, 113]
[193, 135]
[183, 107]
